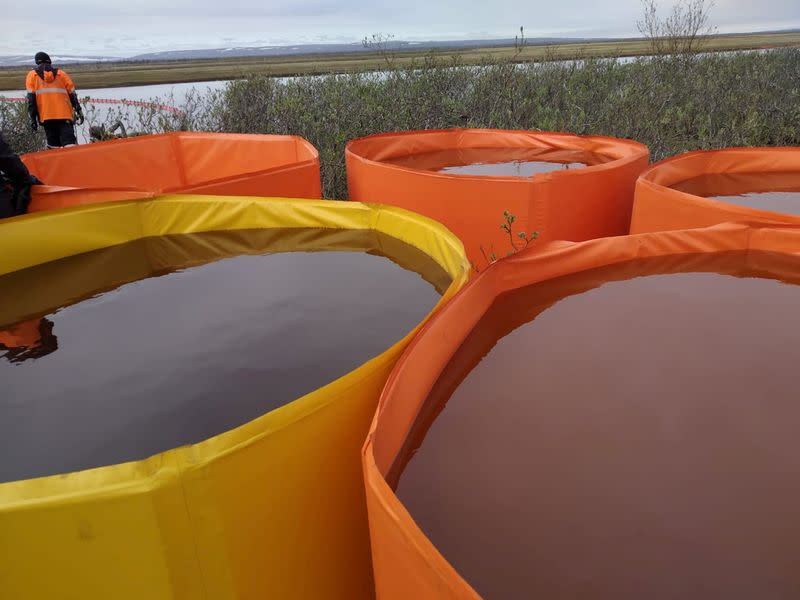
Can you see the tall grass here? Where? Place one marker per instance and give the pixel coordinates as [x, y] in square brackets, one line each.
[672, 104]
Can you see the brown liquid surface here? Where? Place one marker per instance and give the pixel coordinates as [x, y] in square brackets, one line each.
[139, 353]
[507, 162]
[776, 192]
[637, 440]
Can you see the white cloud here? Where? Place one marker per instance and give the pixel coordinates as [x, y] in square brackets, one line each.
[127, 28]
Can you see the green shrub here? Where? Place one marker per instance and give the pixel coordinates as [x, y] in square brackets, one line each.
[15, 126]
[671, 103]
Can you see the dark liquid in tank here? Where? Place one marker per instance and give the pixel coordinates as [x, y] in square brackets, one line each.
[121, 353]
[776, 192]
[507, 162]
[636, 440]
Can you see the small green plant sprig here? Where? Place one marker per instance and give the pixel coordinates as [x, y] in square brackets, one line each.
[508, 227]
[517, 241]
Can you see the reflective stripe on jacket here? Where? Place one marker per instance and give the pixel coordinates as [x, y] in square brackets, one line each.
[52, 97]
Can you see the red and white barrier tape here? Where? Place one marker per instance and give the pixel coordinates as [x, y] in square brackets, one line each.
[155, 105]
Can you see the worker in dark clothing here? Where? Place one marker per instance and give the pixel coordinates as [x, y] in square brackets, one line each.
[15, 182]
[30, 339]
[52, 101]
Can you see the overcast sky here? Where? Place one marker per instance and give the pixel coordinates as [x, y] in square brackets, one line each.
[125, 28]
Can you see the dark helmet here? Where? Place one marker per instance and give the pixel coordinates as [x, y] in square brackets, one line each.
[42, 57]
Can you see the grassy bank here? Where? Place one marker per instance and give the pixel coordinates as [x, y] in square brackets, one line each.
[671, 104]
[128, 73]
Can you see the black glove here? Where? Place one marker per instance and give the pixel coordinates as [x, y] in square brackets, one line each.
[79, 115]
[21, 199]
[34, 124]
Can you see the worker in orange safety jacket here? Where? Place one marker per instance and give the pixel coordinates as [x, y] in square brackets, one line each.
[52, 101]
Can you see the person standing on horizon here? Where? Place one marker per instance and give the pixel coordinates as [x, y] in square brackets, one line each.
[52, 101]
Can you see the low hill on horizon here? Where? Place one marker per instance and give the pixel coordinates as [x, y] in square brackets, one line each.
[18, 60]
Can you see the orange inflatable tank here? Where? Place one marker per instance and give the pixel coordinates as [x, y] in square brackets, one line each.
[704, 188]
[559, 186]
[178, 162]
[555, 427]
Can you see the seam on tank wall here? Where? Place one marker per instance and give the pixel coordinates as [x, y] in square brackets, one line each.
[193, 526]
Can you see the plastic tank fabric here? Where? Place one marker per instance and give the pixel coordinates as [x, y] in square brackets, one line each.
[659, 207]
[562, 205]
[250, 513]
[406, 563]
[179, 162]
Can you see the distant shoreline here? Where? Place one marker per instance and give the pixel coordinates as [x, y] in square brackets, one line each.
[131, 73]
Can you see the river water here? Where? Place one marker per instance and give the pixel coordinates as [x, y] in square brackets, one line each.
[170, 94]
[176, 91]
